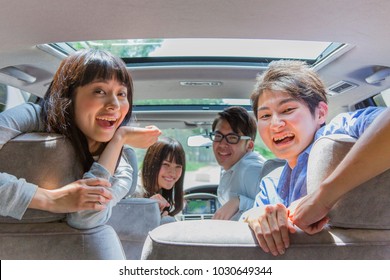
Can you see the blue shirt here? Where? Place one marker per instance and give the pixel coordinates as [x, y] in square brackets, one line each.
[290, 184]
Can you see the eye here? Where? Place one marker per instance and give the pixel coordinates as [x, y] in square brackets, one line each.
[122, 94]
[264, 116]
[289, 110]
[99, 91]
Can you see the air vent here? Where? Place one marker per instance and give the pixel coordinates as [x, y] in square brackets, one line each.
[341, 87]
[201, 83]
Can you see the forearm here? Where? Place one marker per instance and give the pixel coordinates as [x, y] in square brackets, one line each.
[111, 153]
[120, 184]
[369, 157]
[15, 195]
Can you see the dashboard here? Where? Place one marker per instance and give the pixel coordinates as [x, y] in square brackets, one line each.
[200, 203]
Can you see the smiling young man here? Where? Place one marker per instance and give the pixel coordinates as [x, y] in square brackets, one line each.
[233, 136]
[290, 105]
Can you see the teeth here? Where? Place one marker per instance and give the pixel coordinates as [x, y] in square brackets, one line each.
[284, 136]
[107, 119]
[169, 178]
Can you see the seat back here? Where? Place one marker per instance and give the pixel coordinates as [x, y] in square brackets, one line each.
[365, 206]
[359, 225]
[49, 161]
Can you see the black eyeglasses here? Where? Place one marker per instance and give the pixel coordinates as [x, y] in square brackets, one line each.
[231, 138]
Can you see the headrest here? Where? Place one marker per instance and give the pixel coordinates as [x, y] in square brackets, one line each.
[47, 160]
[365, 206]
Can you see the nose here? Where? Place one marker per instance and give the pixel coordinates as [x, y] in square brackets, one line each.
[171, 170]
[277, 122]
[112, 102]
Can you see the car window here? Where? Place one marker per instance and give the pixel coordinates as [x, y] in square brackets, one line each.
[11, 97]
[201, 166]
[383, 98]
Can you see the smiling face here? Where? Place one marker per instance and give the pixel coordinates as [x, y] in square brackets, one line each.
[286, 125]
[169, 174]
[99, 109]
[229, 154]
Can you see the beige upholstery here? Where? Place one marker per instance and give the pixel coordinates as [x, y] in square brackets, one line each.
[358, 228]
[49, 160]
[363, 207]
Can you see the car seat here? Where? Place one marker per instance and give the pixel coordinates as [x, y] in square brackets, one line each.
[359, 227]
[49, 160]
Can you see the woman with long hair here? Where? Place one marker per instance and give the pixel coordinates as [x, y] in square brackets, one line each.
[162, 175]
[90, 102]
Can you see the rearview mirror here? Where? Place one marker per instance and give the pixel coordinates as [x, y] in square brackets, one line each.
[199, 141]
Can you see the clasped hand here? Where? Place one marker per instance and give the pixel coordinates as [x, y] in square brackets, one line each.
[271, 227]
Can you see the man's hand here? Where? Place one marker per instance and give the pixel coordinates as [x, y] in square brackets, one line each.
[309, 213]
[227, 210]
[271, 226]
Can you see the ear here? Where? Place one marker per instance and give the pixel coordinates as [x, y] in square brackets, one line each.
[250, 146]
[322, 109]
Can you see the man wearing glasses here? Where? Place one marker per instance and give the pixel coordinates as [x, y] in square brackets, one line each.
[233, 135]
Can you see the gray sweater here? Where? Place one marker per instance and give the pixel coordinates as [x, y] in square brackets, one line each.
[16, 194]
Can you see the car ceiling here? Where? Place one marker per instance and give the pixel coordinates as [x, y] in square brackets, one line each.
[360, 23]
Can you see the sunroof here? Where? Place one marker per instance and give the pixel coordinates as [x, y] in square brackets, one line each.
[234, 49]
[199, 101]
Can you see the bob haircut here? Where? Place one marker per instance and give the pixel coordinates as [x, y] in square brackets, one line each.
[80, 69]
[168, 149]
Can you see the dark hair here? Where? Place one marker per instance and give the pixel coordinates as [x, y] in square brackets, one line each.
[80, 69]
[169, 149]
[239, 120]
[293, 77]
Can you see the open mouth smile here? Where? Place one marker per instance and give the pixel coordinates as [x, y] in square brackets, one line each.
[106, 121]
[282, 139]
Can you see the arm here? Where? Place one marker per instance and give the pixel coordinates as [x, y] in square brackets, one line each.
[227, 211]
[133, 136]
[310, 214]
[120, 178]
[250, 182]
[17, 195]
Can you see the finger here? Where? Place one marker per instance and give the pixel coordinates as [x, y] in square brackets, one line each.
[283, 226]
[255, 225]
[96, 194]
[268, 228]
[96, 182]
[318, 226]
[95, 206]
[291, 227]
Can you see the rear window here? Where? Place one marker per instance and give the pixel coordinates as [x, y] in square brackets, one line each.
[11, 97]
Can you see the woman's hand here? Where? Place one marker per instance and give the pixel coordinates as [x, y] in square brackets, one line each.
[271, 226]
[162, 202]
[138, 137]
[84, 194]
